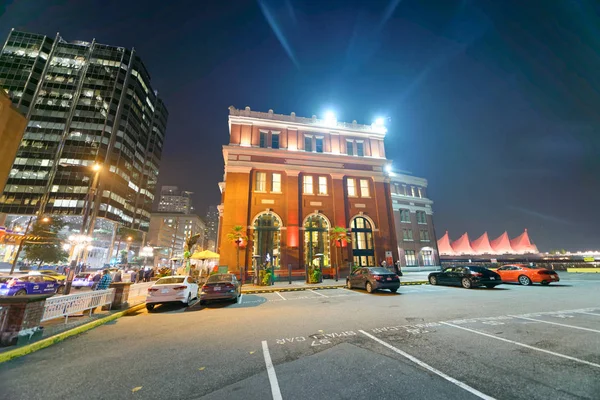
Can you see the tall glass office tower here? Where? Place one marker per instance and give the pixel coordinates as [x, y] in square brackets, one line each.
[87, 104]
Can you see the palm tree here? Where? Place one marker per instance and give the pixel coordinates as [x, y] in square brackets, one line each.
[236, 236]
[187, 249]
[338, 235]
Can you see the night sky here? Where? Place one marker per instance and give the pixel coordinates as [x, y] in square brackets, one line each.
[496, 103]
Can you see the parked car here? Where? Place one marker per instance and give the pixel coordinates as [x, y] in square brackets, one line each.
[50, 272]
[527, 274]
[221, 287]
[466, 276]
[171, 289]
[84, 279]
[29, 284]
[372, 279]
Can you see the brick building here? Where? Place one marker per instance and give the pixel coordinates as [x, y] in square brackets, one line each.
[413, 217]
[289, 180]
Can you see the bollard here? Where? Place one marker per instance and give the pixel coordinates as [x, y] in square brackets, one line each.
[290, 273]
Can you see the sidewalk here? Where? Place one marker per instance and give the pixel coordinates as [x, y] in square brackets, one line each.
[408, 278]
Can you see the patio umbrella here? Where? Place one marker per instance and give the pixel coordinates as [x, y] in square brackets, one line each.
[204, 255]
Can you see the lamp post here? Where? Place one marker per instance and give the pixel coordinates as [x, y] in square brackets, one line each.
[129, 240]
[44, 220]
[90, 203]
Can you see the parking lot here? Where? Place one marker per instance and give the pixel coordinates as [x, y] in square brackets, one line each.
[425, 342]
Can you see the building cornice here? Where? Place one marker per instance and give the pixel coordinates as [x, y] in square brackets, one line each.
[408, 179]
[281, 121]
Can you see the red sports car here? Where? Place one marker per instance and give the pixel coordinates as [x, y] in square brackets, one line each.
[527, 274]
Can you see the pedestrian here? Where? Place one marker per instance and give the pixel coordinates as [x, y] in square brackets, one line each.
[398, 268]
[83, 268]
[383, 264]
[140, 277]
[147, 275]
[117, 277]
[104, 281]
[152, 272]
[133, 276]
[96, 279]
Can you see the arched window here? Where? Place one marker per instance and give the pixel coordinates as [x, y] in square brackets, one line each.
[362, 242]
[316, 240]
[267, 239]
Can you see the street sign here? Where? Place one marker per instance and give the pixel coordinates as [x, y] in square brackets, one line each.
[588, 259]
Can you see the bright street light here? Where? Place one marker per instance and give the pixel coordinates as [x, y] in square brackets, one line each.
[96, 167]
[388, 168]
[330, 118]
[380, 121]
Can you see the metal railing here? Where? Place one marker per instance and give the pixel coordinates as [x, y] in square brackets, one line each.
[63, 306]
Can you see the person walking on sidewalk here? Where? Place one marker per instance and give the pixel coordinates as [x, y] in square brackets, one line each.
[104, 281]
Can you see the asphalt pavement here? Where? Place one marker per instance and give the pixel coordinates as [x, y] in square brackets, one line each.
[425, 342]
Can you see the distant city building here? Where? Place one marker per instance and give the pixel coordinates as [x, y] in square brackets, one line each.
[169, 231]
[12, 126]
[174, 200]
[502, 245]
[413, 217]
[212, 227]
[87, 103]
[290, 180]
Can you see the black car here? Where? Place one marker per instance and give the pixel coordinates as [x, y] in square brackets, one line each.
[372, 279]
[466, 277]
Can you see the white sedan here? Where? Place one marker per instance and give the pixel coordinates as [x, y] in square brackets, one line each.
[172, 288]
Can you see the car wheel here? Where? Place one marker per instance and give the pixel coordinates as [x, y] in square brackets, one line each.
[466, 283]
[236, 299]
[21, 292]
[348, 284]
[149, 307]
[545, 283]
[189, 300]
[393, 290]
[77, 287]
[60, 290]
[525, 281]
[433, 280]
[490, 286]
[369, 287]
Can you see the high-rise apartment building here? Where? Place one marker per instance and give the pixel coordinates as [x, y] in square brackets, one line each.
[87, 104]
[12, 125]
[173, 200]
[169, 231]
[212, 227]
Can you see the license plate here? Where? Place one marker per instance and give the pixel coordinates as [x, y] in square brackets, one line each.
[165, 291]
[389, 279]
[217, 288]
[492, 278]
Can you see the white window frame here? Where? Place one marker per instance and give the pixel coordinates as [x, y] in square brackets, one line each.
[276, 183]
[261, 184]
[322, 190]
[351, 187]
[312, 143]
[356, 148]
[308, 183]
[364, 188]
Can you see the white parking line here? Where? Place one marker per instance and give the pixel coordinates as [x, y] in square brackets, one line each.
[320, 294]
[271, 372]
[279, 294]
[430, 368]
[556, 323]
[241, 297]
[523, 345]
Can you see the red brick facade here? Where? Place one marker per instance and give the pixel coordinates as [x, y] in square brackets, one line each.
[269, 174]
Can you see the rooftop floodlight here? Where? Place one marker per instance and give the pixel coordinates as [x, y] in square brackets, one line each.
[330, 118]
[388, 168]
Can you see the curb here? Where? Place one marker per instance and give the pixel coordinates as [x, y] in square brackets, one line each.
[41, 344]
[296, 289]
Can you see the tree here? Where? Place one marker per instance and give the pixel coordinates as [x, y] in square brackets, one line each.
[236, 236]
[338, 235]
[48, 249]
[188, 248]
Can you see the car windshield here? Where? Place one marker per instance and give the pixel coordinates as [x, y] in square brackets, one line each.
[219, 278]
[170, 280]
[379, 270]
[4, 279]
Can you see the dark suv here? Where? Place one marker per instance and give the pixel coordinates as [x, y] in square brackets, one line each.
[372, 279]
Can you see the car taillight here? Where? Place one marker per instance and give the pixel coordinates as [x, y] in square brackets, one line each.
[152, 290]
[204, 287]
[180, 288]
[378, 277]
[544, 272]
[476, 274]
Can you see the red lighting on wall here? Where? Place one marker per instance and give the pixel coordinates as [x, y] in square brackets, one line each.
[292, 236]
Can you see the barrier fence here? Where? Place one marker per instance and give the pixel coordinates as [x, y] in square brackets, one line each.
[63, 306]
